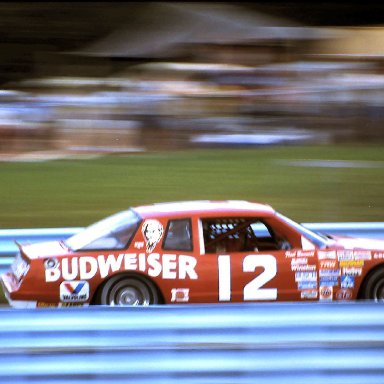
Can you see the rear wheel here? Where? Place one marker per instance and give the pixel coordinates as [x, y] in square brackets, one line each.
[126, 290]
[373, 286]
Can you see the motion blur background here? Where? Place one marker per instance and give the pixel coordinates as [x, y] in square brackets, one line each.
[278, 102]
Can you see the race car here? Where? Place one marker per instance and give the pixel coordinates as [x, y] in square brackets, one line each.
[195, 252]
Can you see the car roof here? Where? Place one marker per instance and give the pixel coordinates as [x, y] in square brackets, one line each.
[207, 208]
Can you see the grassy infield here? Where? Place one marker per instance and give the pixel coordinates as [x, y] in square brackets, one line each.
[72, 193]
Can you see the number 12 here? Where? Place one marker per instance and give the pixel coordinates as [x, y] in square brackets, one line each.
[253, 290]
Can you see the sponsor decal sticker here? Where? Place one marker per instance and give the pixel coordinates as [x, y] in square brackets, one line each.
[303, 268]
[290, 254]
[168, 266]
[307, 285]
[344, 294]
[347, 281]
[41, 304]
[65, 305]
[306, 276]
[299, 261]
[328, 264]
[329, 272]
[362, 255]
[153, 232]
[352, 271]
[301, 253]
[59, 305]
[329, 281]
[74, 291]
[352, 263]
[139, 244]
[378, 255]
[326, 293]
[180, 295]
[309, 294]
[345, 255]
[322, 255]
[305, 253]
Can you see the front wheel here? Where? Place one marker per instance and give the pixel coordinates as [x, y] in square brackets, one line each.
[126, 290]
[373, 286]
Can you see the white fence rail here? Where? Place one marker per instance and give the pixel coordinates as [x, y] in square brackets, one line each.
[243, 344]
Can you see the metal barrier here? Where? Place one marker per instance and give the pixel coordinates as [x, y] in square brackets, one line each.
[228, 343]
[8, 247]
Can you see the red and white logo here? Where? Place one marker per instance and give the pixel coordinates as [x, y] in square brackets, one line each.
[74, 291]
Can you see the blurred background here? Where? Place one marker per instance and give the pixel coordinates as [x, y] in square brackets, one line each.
[279, 102]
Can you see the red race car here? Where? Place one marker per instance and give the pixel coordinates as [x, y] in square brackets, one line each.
[195, 252]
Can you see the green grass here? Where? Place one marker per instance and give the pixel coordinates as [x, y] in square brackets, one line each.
[71, 193]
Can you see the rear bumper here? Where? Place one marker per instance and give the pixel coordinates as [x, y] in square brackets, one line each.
[9, 288]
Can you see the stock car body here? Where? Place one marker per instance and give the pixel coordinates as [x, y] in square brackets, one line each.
[195, 252]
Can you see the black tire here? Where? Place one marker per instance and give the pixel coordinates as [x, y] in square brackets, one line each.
[373, 286]
[128, 290]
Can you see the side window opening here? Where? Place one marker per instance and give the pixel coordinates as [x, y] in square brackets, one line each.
[238, 235]
[178, 236]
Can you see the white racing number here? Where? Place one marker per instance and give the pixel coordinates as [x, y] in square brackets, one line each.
[254, 289]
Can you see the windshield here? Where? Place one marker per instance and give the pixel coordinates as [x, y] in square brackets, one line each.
[113, 232]
[314, 238]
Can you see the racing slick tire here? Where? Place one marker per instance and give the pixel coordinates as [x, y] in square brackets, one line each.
[373, 285]
[128, 290]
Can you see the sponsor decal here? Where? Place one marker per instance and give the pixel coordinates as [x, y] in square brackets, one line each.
[299, 261]
[328, 264]
[152, 231]
[362, 255]
[59, 305]
[41, 304]
[326, 293]
[329, 272]
[352, 263]
[64, 305]
[305, 253]
[180, 295]
[344, 294]
[303, 268]
[73, 291]
[139, 244]
[352, 271]
[322, 255]
[305, 276]
[345, 255]
[378, 255]
[300, 253]
[347, 281]
[329, 281]
[309, 294]
[168, 266]
[307, 285]
[290, 254]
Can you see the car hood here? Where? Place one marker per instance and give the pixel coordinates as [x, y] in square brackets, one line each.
[44, 249]
[358, 243]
